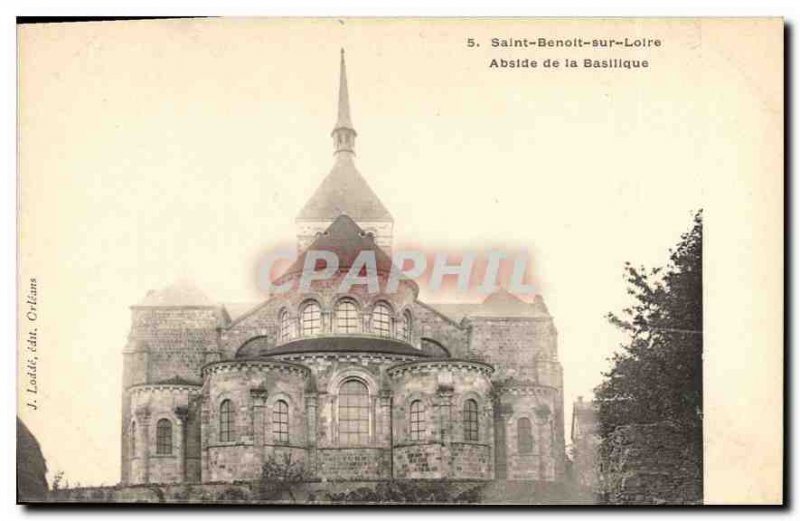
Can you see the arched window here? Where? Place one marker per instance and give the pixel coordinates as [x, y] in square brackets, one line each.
[353, 413]
[346, 317]
[524, 436]
[310, 319]
[133, 440]
[164, 436]
[286, 328]
[405, 327]
[280, 422]
[417, 420]
[382, 319]
[226, 421]
[470, 420]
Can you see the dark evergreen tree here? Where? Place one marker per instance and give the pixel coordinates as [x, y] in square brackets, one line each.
[658, 374]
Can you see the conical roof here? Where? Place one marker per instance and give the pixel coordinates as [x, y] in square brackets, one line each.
[347, 240]
[344, 191]
[182, 293]
[502, 303]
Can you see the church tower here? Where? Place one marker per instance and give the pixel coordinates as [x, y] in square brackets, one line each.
[344, 191]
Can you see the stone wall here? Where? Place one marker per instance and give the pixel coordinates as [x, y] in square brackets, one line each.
[307, 492]
[321, 492]
[460, 460]
[517, 346]
[252, 388]
[535, 405]
[263, 320]
[165, 343]
[151, 404]
[170, 342]
[354, 463]
[442, 450]
[528, 381]
[443, 330]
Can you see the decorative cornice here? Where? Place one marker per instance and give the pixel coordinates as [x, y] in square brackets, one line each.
[175, 388]
[345, 357]
[228, 366]
[449, 364]
[525, 390]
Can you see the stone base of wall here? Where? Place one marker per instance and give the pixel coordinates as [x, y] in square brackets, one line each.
[493, 492]
[443, 461]
[353, 464]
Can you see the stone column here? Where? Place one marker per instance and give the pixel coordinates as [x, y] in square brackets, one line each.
[543, 427]
[258, 407]
[444, 402]
[205, 428]
[311, 432]
[143, 442]
[488, 420]
[385, 405]
[327, 321]
[181, 414]
[365, 318]
[500, 436]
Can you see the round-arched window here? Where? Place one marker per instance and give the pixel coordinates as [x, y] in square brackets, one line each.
[417, 420]
[353, 413]
[524, 436]
[310, 319]
[226, 421]
[347, 317]
[405, 327]
[164, 437]
[280, 422]
[470, 420]
[286, 326]
[382, 319]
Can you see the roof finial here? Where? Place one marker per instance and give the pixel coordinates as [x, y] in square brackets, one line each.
[343, 133]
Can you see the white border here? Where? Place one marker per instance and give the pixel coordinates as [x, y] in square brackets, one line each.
[433, 8]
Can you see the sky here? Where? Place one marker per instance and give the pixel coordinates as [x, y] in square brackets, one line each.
[157, 151]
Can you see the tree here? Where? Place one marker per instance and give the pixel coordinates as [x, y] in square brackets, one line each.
[658, 374]
[279, 476]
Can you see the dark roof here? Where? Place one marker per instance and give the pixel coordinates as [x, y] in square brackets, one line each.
[175, 380]
[344, 191]
[181, 293]
[238, 309]
[346, 239]
[261, 346]
[501, 303]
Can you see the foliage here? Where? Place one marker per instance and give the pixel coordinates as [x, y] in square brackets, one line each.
[279, 475]
[233, 493]
[58, 479]
[399, 491]
[657, 376]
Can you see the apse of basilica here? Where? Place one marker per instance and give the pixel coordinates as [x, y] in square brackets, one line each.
[356, 386]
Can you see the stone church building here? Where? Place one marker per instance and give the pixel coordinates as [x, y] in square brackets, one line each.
[356, 386]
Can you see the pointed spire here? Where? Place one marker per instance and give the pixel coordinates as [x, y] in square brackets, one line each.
[344, 135]
[343, 120]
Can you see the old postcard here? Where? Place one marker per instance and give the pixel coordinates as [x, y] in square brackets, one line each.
[401, 261]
